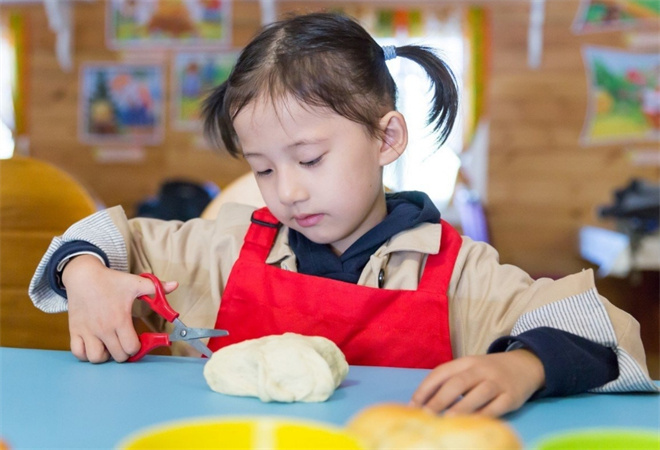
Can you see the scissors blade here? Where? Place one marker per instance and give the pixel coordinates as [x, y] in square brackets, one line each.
[203, 349]
[202, 333]
[192, 336]
[182, 332]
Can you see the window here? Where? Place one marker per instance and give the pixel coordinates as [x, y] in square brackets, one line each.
[425, 166]
[7, 82]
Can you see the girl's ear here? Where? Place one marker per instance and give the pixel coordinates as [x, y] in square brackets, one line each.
[395, 135]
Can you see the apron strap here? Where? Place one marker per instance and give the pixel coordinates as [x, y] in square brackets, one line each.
[260, 235]
[440, 266]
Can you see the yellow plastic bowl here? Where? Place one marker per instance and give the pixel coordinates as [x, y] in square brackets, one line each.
[238, 433]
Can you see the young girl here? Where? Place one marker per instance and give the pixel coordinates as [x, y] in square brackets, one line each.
[311, 106]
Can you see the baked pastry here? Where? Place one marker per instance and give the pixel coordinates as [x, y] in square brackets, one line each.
[397, 426]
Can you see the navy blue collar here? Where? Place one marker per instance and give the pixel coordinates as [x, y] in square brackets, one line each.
[404, 211]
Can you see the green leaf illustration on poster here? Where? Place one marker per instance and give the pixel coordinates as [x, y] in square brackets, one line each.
[624, 96]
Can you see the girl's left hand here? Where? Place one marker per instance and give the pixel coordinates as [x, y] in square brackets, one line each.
[491, 384]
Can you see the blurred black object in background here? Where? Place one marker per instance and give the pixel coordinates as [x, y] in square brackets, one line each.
[636, 208]
[178, 200]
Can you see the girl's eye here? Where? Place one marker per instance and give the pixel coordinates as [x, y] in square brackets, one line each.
[312, 163]
[263, 173]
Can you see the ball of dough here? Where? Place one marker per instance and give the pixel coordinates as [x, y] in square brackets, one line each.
[388, 426]
[280, 368]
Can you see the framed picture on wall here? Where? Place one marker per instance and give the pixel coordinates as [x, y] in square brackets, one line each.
[610, 15]
[120, 103]
[146, 24]
[624, 96]
[194, 75]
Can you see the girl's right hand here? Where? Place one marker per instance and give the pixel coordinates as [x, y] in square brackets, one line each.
[100, 304]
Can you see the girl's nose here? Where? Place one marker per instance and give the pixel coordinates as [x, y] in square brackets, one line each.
[290, 189]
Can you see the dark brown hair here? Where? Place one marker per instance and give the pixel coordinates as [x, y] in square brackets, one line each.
[323, 60]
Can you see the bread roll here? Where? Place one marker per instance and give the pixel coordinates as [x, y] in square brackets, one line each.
[395, 426]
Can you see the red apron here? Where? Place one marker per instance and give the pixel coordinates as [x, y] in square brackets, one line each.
[372, 326]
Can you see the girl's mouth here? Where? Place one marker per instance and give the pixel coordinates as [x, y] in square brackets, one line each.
[308, 220]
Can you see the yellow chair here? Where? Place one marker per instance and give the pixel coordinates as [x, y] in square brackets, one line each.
[243, 189]
[37, 201]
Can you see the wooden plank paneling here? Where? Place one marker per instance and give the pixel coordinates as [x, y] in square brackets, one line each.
[49, 331]
[543, 185]
[536, 161]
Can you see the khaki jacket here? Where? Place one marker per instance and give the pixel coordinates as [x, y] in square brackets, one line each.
[487, 299]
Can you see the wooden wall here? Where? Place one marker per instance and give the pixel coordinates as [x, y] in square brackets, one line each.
[53, 119]
[543, 185]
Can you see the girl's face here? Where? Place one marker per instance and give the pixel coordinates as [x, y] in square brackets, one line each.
[318, 172]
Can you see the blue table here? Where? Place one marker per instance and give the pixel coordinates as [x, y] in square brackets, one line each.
[50, 400]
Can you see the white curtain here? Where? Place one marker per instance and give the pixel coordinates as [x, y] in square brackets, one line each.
[7, 74]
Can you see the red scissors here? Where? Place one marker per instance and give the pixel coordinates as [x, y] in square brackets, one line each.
[181, 332]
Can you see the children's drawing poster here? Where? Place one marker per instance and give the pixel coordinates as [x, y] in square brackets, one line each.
[134, 24]
[390, 22]
[195, 74]
[624, 96]
[121, 103]
[610, 15]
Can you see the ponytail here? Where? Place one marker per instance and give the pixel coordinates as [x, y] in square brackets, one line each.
[444, 108]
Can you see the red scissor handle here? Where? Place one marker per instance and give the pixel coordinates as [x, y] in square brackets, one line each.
[158, 302]
[148, 342]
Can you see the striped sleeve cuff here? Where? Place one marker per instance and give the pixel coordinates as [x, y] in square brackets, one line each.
[584, 315]
[97, 229]
[61, 258]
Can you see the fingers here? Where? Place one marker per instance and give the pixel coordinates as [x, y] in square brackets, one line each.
[479, 397]
[146, 287]
[170, 286]
[129, 341]
[100, 344]
[434, 381]
[78, 348]
[467, 394]
[487, 384]
[114, 346]
[91, 350]
[453, 392]
[96, 351]
[100, 320]
[498, 407]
